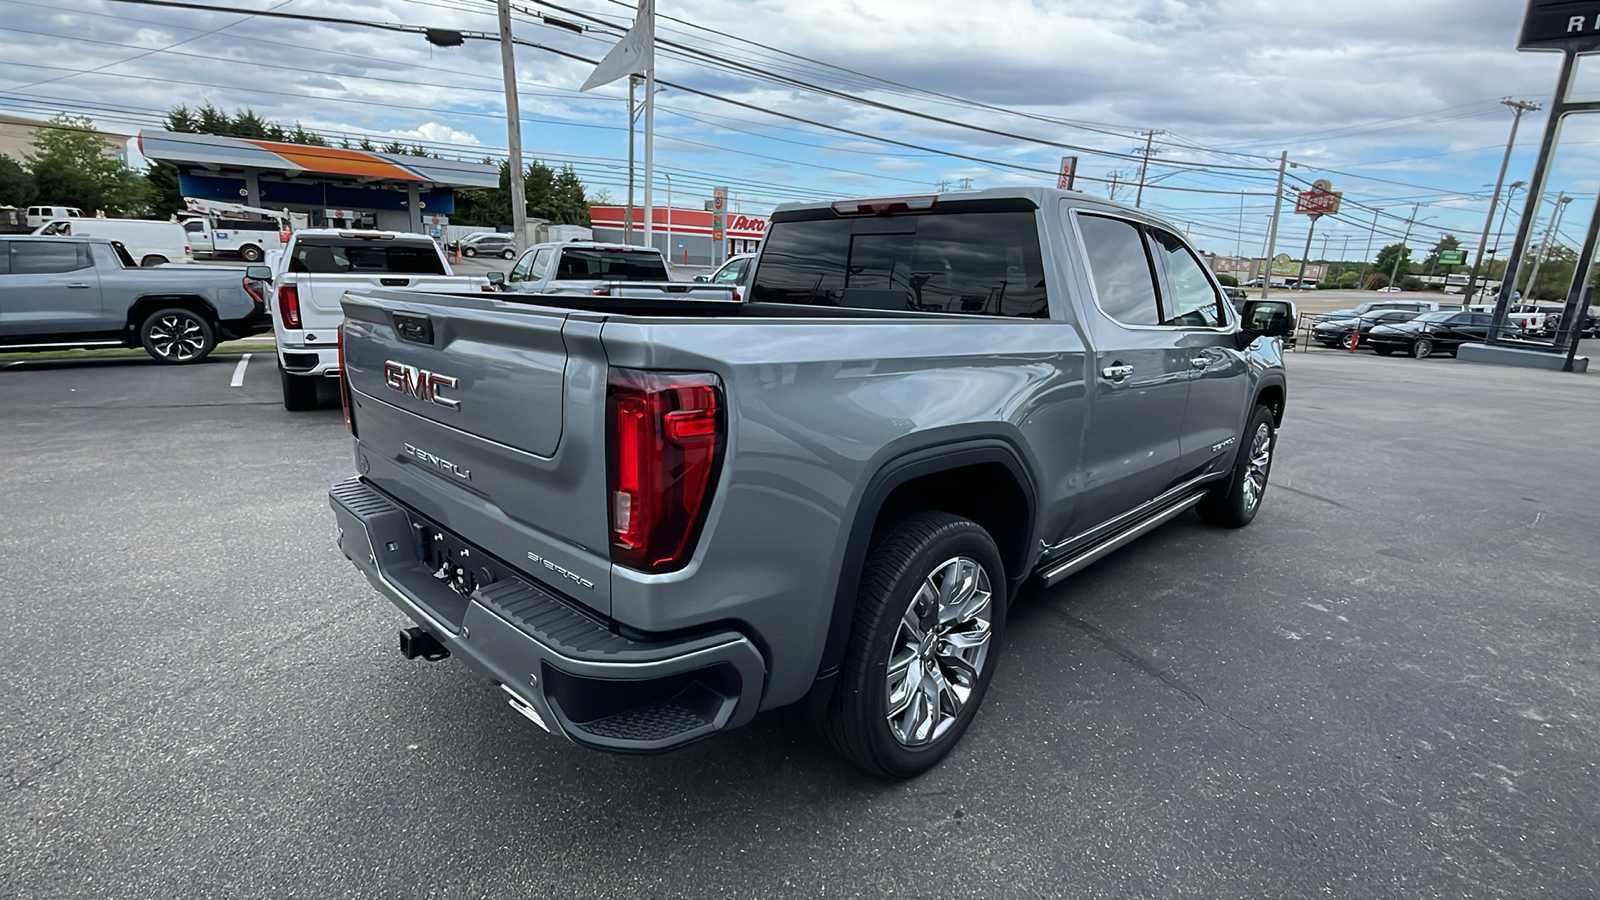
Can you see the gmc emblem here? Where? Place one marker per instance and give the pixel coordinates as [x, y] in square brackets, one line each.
[415, 382]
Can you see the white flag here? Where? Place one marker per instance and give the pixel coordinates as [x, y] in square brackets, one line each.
[633, 55]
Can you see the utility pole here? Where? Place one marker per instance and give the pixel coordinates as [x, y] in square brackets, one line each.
[1544, 246]
[1238, 244]
[966, 184]
[627, 222]
[1272, 230]
[1395, 272]
[1367, 260]
[508, 73]
[1112, 191]
[1144, 164]
[1518, 109]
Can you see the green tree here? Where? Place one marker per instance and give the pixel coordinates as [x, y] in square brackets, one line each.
[165, 196]
[1349, 279]
[71, 168]
[1386, 259]
[1223, 277]
[1448, 242]
[17, 187]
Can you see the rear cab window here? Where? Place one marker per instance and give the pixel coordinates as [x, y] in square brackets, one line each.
[47, 257]
[590, 264]
[357, 256]
[979, 257]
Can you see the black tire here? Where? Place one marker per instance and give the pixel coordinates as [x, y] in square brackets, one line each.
[900, 561]
[1422, 348]
[251, 253]
[1383, 351]
[177, 336]
[509, 254]
[1234, 502]
[468, 251]
[154, 259]
[299, 391]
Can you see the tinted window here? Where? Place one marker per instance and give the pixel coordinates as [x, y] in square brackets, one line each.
[1123, 280]
[194, 225]
[579, 264]
[340, 257]
[985, 263]
[1194, 301]
[44, 257]
[1481, 318]
[5, 258]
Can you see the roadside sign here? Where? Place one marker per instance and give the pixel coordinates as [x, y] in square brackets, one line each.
[1452, 257]
[1069, 173]
[719, 206]
[1321, 200]
[1561, 25]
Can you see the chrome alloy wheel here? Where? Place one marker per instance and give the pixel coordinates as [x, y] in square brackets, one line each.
[939, 651]
[1260, 459]
[178, 337]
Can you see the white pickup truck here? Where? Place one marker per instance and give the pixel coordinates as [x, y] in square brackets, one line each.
[593, 268]
[310, 277]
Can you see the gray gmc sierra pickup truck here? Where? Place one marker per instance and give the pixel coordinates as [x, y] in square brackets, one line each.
[646, 520]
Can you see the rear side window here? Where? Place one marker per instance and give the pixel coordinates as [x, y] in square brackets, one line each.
[982, 263]
[356, 256]
[1124, 280]
[45, 257]
[579, 264]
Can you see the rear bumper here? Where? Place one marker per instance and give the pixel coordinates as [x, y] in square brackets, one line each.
[300, 359]
[566, 670]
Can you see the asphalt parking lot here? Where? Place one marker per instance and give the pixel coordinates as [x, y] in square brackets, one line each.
[1388, 686]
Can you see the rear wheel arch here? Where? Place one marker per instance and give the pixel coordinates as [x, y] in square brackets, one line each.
[146, 305]
[984, 480]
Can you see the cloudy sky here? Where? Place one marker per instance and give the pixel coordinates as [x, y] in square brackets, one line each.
[1394, 103]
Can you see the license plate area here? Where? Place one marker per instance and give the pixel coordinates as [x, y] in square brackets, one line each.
[447, 571]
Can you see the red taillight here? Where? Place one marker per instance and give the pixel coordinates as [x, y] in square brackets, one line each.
[344, 387]
[664, 444]
[255, 295]
[601, 291]
[289, 305]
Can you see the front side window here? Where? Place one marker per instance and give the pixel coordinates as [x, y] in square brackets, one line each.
[45, 257]
[732, 272]
[520, 271]
[541, 263]
[57, 228]
[1119, 262]
[1193, 301]
[950, 260]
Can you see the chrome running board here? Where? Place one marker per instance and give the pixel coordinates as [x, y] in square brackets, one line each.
[1057, 571]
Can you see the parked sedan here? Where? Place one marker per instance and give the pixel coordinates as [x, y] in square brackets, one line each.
[1336, 332]
[1436, 332]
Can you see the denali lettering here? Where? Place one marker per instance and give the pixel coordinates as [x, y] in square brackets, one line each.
[1216, 447]
[443, 465]
[419, 383]
[578, 579]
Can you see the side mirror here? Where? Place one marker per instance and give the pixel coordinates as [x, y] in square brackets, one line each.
[1268, 318]
[258, 273]
[497, 279]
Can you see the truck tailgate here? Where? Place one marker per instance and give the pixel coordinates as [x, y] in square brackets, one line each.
[463, 404]
[320, 293]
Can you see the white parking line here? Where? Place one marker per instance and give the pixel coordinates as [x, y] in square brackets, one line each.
[238, 372]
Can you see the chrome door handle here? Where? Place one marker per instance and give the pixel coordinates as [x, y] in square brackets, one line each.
[77, 284]
[1199, 362]
[1117, 372]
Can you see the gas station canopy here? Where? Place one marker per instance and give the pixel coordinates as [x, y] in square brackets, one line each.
[385, 190]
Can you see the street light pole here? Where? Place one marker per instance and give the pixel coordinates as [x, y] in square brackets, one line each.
[508, 73]
[627, 222]
[1518, 108]
[668, 176]
[1544, 246]
[1367, 260]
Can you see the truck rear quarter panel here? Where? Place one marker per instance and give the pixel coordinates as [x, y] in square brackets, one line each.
[815, 408]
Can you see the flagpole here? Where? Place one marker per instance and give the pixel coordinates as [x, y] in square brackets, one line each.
[650, 126]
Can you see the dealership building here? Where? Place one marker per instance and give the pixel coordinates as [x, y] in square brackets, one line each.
[334, 187]
[685, 235]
